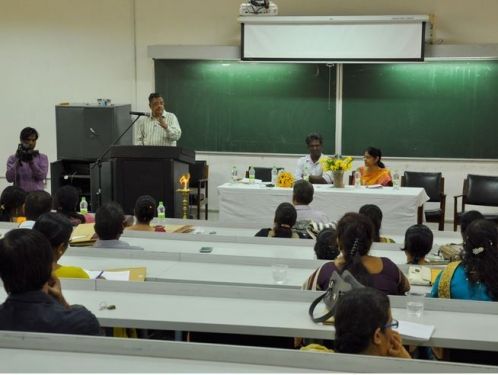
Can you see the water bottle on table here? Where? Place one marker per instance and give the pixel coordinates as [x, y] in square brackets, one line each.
[161, 212]
[83, 206]
[234, 174]
[396, 180]
[252, 175]
[306, 173]
[357, 179]
[274, 175]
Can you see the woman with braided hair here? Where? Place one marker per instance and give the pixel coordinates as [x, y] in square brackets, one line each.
[354, 236]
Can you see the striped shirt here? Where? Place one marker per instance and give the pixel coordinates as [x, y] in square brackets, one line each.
[149, 132]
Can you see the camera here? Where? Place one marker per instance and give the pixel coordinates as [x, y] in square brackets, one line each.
[25, 153]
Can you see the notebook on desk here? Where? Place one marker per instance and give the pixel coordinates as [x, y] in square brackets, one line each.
[83, 235]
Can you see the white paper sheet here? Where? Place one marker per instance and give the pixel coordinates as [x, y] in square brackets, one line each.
[415, 330]
[110, 275]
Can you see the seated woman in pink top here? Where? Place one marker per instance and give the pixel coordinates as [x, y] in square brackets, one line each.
[374, 171]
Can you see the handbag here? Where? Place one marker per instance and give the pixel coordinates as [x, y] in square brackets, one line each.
[338, 285]
[451, 252]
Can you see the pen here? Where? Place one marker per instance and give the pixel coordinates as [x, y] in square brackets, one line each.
[100, 275]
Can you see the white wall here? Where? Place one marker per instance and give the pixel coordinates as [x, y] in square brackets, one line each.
[76, 51]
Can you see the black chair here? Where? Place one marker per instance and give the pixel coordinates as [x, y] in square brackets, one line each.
[199, 173]
[433, 183]
[478, 191]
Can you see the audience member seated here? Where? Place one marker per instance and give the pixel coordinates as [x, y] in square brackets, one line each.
[467, 218]
[302, 196]
[285, 218]
[375, 214]
[364, 325]
[473, 278]
[109, 225]
[418, 243]
[57, 229]
[145, 210]
[12, 204]
[326, 248]
[35, 302]
[374, 171]
[37, 203]
[354, 236]
[66, 202]
[326, 244]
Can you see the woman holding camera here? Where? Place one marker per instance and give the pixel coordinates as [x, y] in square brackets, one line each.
[27, 168]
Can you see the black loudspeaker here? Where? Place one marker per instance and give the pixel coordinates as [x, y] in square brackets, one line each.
[84, 131]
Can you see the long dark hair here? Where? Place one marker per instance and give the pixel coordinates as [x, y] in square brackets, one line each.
[355, 234]
[376, 153]
[285, 218]
[374, 213]
[418, 242]
[481, 255]
[359, 314]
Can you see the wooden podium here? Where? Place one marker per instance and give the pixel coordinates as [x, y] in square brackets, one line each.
[132, 171]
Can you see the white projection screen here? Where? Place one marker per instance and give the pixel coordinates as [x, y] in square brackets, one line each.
[333, 42]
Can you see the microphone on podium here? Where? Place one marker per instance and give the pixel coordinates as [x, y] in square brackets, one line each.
[146, 114]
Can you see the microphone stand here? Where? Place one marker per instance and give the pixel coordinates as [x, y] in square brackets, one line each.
[98, 162]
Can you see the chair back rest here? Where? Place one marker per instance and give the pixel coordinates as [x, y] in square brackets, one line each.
[482, 190]
[433, 183]
[198, 171]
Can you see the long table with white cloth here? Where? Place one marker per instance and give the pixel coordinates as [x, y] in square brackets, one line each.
[255, 204]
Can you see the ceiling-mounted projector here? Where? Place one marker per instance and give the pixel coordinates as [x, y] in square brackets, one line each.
[258, 8]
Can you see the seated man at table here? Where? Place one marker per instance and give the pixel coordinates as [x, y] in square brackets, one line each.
[35, 302]
[109, 225]
[302, 196]
[310, 165]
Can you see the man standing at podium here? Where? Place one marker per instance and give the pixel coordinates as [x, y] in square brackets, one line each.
[161, 128]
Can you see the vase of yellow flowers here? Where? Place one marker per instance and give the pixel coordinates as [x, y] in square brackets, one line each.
[285, 179]
[337, 165]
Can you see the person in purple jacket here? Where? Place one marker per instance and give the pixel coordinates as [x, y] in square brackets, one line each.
[27, 168]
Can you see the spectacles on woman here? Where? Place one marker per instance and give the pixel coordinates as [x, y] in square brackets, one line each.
[394, 324]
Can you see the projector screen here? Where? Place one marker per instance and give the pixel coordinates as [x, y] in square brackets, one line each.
[333, 42]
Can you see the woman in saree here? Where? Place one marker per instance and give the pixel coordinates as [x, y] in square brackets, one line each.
[374, 172]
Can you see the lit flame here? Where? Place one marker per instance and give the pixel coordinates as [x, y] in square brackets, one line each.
[184, 180]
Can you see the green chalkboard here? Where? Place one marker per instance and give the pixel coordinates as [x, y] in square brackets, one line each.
[247, 107]
[447, 110]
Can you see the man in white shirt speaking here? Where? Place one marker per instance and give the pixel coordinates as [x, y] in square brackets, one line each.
[309, 166]
[161, 128]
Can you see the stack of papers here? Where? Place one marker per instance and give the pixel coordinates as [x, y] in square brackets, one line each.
[415, 330]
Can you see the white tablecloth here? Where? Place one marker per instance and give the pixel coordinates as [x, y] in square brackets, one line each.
[254, 205]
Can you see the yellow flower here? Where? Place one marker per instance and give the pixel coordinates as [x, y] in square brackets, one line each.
[336, 163]
[285, 179]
